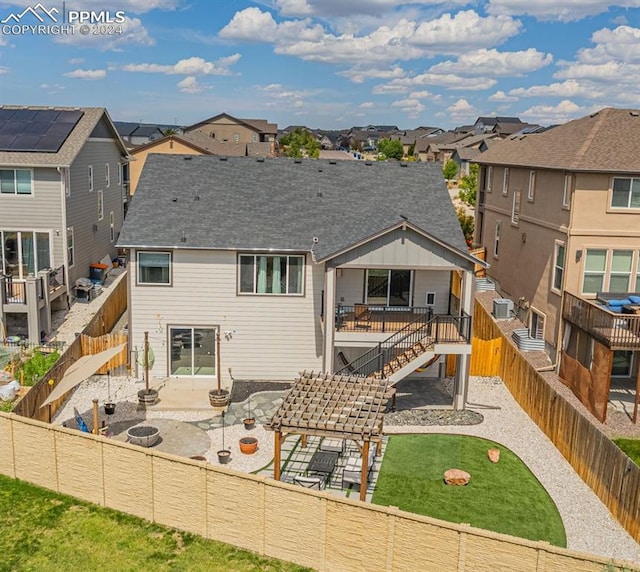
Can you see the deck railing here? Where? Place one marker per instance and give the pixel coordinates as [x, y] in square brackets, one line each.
[614, 330]
[378, 319]
[13, 292]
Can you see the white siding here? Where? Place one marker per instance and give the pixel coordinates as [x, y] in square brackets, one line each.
[275, 336]
[350, 287]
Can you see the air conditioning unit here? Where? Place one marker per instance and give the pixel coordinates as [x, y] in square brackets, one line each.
[502, 308]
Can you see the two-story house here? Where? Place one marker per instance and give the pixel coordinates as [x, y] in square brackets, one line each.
[238, 137]
[559, 215]
[296, 264]
[61, 208]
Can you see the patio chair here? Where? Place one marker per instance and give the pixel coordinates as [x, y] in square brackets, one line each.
[317, 483]
[334, 445]
[361, 315]
[353, 469]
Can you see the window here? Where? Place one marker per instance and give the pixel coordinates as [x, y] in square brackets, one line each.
[261, 274]
[255, 138]
[389, 287]
[622, 361]
[112, 227]
[15, 181]
[515, 208]
[236, 137]
[505, 181]
[154, 268]
[66, 178]
[107, 175]
[532, 185]
[620, 270]
[119, 174]
[536, 325]
[70, 246]
[594, 271]
[489, 178]
[496, 241]
[100, 205]
[430, 299]
[568, 189]
[23, 253]
[558, 267]
[90, 178]
[626, 194]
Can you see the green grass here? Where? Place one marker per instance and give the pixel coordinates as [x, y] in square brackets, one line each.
[504, 497]
[631, 447]
[46, 532]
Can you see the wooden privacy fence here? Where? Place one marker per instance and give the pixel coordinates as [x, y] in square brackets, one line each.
[610, 473]
[486, 356]
[91, 346]
[114, 306]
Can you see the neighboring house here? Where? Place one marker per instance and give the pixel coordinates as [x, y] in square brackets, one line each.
[300, 264]
[409, 137]
[466, 151]
[61, 208]
[249, 137]
[498, 125]
[140, 133]
[559, 215]
[439, 148]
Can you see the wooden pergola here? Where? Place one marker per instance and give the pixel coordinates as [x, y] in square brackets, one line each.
[338, 406]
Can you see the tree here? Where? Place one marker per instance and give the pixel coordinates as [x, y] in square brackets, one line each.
[391, 149]
[467, 224]
[468, 186]
[300, 143]
[450, 169]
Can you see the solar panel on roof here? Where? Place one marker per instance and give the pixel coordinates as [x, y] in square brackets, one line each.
[39, 130]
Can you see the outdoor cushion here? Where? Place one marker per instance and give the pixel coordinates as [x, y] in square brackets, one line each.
[618, 303]
[634, 299]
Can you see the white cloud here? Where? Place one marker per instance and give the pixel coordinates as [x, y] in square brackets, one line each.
[554, 114]
[367, 105]
[493, 63]
[87, 74]
[501, 96]
[3, 70]
[76, 61]
[621, 44]
[359, 75]
[413, 107]
[193, 66]
[449, 81]
[133, 33]
[569, 88]
[562, 10]
[190, 85]
[352, 7]
[52, 88]
[462, 111]
[403, 40]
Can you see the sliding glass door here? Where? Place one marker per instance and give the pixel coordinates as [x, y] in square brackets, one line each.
[389, 287]
[193, 351]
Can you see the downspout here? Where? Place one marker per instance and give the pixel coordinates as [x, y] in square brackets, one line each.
[63, 231]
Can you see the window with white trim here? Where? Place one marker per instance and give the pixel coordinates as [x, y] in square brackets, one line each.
[15, 182]
[558, 267]
[255, 138]
[430, 299]
[515, 208]
[489, 178]
[505, 181]
[595, 266]
[70, 247]
[119, 174]
[625, 193]
[100, 205]
[267, 274]
[154, 267]
[236, 137]
[90, 174]
[620, 272]
[112, 226]
[107, 175]
[66, 178]
[531, 193]
[569, 182]
[496, 240]
[536, 325]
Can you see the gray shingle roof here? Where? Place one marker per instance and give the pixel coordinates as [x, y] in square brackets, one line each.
[70, 148]
[282, 204]
[606, 141]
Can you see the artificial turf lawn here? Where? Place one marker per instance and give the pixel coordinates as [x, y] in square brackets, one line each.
[48, 532]
[631, 447]
[503, 497]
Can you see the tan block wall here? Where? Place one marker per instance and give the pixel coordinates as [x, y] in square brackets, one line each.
[311, 528]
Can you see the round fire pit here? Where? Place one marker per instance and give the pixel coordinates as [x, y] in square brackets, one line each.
[143, 435]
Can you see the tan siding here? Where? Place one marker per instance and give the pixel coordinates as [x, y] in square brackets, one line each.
[275, 336]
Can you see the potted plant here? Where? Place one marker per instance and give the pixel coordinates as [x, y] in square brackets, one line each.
[224, 455]
[147, 396]
[249, 421]
[248, 445]
[218, 397]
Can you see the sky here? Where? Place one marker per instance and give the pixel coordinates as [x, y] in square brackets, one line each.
[328, 64]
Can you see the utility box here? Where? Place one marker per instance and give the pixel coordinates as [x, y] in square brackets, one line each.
[98, 273]
[502, 308]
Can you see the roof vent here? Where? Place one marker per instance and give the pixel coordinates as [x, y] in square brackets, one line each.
[174, 200]
[223, 157]
[260, 159]
[333, 162]
[196, 198]
[634, 113]
[403, 164]
[183, 238]
[368, 163]
[187, 157]
[319, 170]
[319, 194]
[297, 161]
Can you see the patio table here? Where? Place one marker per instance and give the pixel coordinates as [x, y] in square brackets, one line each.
[323, 462]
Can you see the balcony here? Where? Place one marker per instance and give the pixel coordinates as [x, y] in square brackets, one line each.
[377, 319]
[618, 330]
